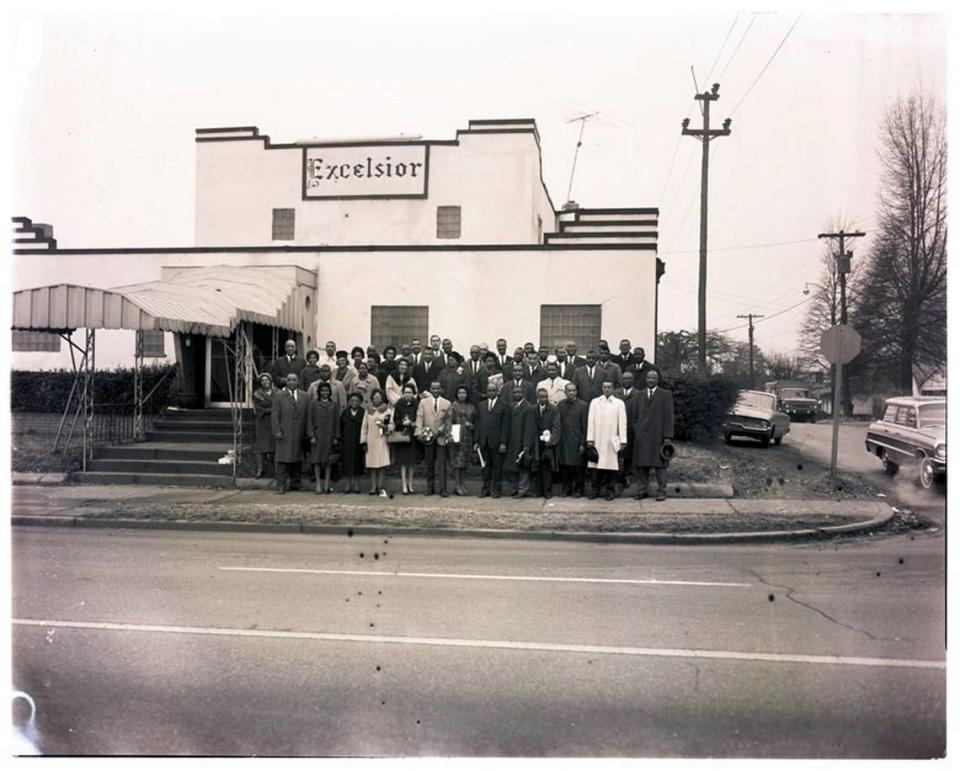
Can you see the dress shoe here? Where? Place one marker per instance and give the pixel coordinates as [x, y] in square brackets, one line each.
[593, 496]
[484, 493]
[661, 496]
[608, 496]
[640, 496]
[444, 495]
[494, 495]
[281, 491]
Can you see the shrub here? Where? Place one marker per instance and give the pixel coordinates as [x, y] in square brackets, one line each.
[113, 390]
[700, 406]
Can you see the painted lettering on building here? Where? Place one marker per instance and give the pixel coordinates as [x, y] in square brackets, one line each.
[371, 171]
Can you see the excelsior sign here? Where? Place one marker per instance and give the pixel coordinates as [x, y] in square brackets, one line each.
[365, 171]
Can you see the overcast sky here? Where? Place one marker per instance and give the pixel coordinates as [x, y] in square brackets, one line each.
[106, 105]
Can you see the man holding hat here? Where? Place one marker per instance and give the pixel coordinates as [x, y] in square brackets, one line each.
[653, 434]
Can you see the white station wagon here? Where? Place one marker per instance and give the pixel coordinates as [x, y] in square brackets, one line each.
[912, 430]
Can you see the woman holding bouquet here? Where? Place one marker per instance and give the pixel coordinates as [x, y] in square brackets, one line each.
[462, 414]
[373, 437]
[405, 421]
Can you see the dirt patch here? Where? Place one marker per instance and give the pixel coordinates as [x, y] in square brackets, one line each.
[766, 472]
[30, 452]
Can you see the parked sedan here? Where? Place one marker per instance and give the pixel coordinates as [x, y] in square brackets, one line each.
[756, 415]
[912, 430]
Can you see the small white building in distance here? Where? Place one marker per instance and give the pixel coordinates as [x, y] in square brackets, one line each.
[361, 241]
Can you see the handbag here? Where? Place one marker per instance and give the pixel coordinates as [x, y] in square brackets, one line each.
[398, 437]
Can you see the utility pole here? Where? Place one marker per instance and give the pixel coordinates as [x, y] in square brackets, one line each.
[705, 135]
[750, 317]
[843, 259]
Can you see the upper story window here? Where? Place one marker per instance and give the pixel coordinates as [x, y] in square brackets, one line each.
[448, 222]
[153, 344]
[283, 224]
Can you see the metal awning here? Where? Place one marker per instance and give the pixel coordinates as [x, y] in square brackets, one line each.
[192, 300]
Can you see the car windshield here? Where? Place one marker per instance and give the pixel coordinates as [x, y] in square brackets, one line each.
[794, 393]
[758, 401]
[933, 414]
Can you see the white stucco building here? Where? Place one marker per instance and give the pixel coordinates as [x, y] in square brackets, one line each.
[358, 241]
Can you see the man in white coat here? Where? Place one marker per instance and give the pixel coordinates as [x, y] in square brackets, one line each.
[553, 384]
[607, 433]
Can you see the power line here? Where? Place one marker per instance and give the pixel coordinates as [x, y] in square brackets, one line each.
[745, 246]
[740, 43]
[771, 316]
[765, 66]
[722, 46]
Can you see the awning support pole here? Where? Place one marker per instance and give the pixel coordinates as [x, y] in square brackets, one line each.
[89, 371]
[73, 388]
[138, 388]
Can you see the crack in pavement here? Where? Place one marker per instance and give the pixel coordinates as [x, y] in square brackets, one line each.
[789, 595]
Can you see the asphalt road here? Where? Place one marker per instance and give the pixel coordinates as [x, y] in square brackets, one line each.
[816, 439]
[146, 642]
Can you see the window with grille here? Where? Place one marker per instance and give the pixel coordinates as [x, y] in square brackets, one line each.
[283, 224]
[562, 324]
[397, 325]
[448, 222]
[153, 344]
[35, 341]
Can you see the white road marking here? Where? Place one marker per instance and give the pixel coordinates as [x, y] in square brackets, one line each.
[483, 577]
[685, 653]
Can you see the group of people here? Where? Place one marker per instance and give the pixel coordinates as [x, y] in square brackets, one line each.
[534, 415]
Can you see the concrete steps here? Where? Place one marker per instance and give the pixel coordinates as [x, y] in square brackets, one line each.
[182, 449]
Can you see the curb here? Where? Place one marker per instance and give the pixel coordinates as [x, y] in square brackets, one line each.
[45, 479]
[435, 532]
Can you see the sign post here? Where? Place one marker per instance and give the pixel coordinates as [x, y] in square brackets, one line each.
[839, 345]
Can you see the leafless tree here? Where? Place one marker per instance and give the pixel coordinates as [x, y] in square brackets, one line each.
[902, 314]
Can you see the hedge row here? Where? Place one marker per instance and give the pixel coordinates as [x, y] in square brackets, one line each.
[113, 390]
[700, 406]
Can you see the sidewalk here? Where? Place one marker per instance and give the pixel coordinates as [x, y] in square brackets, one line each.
[677, 520]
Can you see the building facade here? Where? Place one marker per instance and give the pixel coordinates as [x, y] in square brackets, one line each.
[378, 240]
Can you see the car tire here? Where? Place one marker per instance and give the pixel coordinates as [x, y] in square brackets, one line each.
[727, 438]
[927, 475]
[765, 441]
[889, 467]
[778, 440]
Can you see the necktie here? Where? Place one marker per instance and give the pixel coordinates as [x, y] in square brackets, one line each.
[649, 393]
[436, 405]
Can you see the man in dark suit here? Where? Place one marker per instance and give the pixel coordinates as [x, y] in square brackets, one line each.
[521, 441]
[624, 359]
[493, 429]
[640, 367]
[573, 441]
[565, 368]
[288, 421]
[446, 351]
[653, 427]
[533, 370]
[286, 364]
[547, 421]
[577, 361]
[610, 370]
[475, 375]
[451, 377]
[631, 400]
[427, 371]
[527, 388]
[589, 378]
[503, 358]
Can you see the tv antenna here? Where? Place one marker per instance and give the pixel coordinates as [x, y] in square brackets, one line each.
[583, 122]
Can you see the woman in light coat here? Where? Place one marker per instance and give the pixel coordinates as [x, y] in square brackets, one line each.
[373, 437]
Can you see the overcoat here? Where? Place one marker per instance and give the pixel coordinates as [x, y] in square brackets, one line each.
[522, 435]
[338, 393]
[378, 451]
[323, 426]
[262, 407]
[654, 424]
[405, 421]
[465, 415]
[547, 420]
[307, 375]
[450, 381]
[588, 386]
[573, 431]
[606, 426]
[288, 419]
[350, 452]
[529, 391]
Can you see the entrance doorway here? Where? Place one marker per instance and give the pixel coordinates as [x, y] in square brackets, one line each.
[221, 363]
